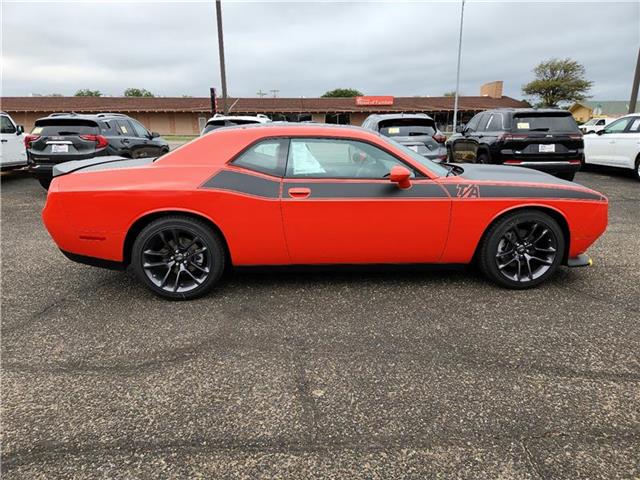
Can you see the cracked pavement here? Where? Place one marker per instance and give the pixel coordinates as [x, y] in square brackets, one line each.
[402, 373]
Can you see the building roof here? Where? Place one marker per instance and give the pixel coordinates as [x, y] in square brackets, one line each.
[604, 107]
[246, 105]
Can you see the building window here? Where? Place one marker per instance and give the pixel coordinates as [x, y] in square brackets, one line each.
[338, 118]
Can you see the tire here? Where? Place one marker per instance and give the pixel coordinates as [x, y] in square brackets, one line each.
[512, 233]
[483, 158]
[449, 155]
[187, 272]
[567, 176]
[636, 171]
[45, 183]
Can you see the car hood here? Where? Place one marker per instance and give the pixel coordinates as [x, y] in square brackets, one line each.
[502, 173]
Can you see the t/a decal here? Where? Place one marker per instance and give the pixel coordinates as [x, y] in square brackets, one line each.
[468, 191]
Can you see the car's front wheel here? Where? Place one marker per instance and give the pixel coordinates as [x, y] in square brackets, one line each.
[522, 249]
[178, 257]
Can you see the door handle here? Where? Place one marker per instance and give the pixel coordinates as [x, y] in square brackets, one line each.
[124, 140]
[299, 192]
[4, 141]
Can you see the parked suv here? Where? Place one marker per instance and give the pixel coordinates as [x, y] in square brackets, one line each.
[415, 131]
[547, 140]
[12, 154]
[219, 121]
[62, 137]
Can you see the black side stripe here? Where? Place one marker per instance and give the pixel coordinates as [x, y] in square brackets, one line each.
[367, 190]
[512, 191]
[244, 183]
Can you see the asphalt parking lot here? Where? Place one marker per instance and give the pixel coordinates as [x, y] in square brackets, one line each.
[338, 374]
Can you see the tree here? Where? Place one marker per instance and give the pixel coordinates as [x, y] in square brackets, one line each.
[138, 92]
[343, 92]
[449, 94]
[88, 93]
[558, 80]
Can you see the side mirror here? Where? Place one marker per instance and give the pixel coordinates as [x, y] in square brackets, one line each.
[19, 130]
[461, 128]
[155, 134]
[401, 176]
[600, 132]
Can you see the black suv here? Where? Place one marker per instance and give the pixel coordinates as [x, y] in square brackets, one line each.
[416, 131]
[547, 140]
[62, 137]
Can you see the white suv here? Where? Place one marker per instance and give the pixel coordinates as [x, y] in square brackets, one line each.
[617, 145]
[12, 151]
[219, 121]
[595, 125]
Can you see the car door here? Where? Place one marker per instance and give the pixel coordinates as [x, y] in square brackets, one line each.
[12, 151]
[126, 137]
[603, 148]
[145, 145]
[628, 144]
[464, 146]
[338, 206]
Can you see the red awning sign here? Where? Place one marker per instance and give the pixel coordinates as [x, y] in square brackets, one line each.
[380, 100]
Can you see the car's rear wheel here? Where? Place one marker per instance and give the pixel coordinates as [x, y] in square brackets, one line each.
[178, 257]
[636, 171]
[45, 183]
[522, 249]
[483, 158]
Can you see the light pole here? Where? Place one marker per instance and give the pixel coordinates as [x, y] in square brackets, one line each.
[223, 74]
[455, 102]
[634, 88]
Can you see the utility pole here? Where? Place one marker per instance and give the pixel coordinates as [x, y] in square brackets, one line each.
[634, 88]
[455, 102]
[223, 74]
[261, 94]
[275, 93]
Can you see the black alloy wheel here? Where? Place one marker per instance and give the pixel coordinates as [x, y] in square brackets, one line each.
[522, 249]
[178, 257]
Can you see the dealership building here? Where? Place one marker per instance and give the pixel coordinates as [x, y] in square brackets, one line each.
[187, 115]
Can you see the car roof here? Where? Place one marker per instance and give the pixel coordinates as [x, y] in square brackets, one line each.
[256, 118]
[393, 116]
[528, 110]
[301, 126]
[84, 116]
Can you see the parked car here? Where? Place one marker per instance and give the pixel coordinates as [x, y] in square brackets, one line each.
[219, 121]
[302, 194]
[416, 131]
[617, 145]
[547, 140]
[595, 125]
[62, 137]
[12, 153]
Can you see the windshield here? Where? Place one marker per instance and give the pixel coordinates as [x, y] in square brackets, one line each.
[215, 124]
[431, 166]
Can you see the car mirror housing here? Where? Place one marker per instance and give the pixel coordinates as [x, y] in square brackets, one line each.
[600, 132]
[154, 135]
[461, 128]
[401, 176]
[19, 129]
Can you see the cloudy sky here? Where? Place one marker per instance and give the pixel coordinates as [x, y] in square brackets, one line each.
[305, 48]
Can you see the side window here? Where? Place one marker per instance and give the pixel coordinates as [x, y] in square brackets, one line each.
[6, 126]
[473, 123]
[140, 130]
[107, 127]
[618, 126]
[635, 125]
[600, 122]
[268, 156]
[494, 124]
[124, 128]
[329, 158]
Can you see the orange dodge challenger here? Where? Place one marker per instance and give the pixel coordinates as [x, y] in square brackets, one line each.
[310, 194]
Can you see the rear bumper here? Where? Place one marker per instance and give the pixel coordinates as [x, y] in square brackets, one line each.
[93, 261]
[548, 166]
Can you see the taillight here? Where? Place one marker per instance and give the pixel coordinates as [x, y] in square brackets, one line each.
[28, 139]
[101, 142]
[440, 138]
